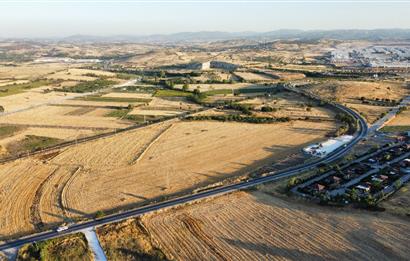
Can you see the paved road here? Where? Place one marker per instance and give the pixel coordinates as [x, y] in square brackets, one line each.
[338, 153]
[389, 116]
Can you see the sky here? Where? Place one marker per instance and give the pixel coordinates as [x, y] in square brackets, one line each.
[59, 18]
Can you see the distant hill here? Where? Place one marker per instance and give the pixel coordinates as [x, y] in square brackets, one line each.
[210, 36]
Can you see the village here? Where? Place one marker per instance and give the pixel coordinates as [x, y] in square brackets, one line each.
[364, 181]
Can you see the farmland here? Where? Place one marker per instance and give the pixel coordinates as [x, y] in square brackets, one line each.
[365, 97]
[400, 123]
[120, 171]
[256, 225]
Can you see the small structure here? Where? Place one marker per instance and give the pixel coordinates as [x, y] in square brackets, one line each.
[405, 166]
[324, 148]
[318, 187]
[365, 188]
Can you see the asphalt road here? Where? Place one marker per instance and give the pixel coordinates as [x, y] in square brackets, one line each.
[338, 153]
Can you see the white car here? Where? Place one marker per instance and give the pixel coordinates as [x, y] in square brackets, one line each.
[61, 229]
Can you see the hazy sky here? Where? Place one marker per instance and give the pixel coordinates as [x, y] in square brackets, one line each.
[44, 18]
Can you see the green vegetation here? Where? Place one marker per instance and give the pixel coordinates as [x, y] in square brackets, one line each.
[216, 92]
[267, 109]
[125, 76]
[71, 247]
[114, 99]
[395, 128]
[99, 214]
[244, 108]
[6, 131]
[119, 113]
[18, 88]
[34, 143]
[171, 93]
[197, 96]
[89, 86]
[238, 118]
[349, 124]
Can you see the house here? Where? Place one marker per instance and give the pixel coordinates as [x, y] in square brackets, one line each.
[383, 177]
[405, 166]
[365, 187]
[319, 187]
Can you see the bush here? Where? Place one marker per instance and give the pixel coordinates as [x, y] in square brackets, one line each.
[267, 109]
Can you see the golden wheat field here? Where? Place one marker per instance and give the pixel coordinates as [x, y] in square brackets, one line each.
[138, 166]
[257, 226]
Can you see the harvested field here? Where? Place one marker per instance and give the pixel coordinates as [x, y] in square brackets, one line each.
[30, 71]
[5, 83]
[79, 75]
[248, 76]
[128, 240]
[172, 103]
[399, 202]
[32, 98]
[350, 93]
[286, 104]
[56, 133]
[99, 103]
[370, 112]
[285, 75]
[128, 95]
[401, 121]
[207, 158]
[154, 112]
[59, 116]
[256, 226]
[138, 166]
[19, 182]
[111, 152]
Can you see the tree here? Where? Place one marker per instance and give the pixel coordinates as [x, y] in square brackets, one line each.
[185, 87]
[161, 74]
[354, 196]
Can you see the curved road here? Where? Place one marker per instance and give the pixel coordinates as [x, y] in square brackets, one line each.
[338, 153]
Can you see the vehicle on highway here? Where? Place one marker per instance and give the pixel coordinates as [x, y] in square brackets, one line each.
[61, 229]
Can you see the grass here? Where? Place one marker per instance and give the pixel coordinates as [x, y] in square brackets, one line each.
[71, 247]
[216, 92]
[89, 86]
[120, 113]
[395, 128]
[33, 143]
[19, 88]
[171, 93]
[114, 99]
[126, 76]
[6, 131]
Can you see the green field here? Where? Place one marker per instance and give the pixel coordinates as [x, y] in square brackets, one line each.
[32, 142]
[171, 93]
[71, 247]
[216, 92]
[89, 86]
[395, 128]
[6, 131]
[120, 113]
[18, 88]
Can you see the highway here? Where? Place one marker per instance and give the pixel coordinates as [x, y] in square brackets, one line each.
[271, 176]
